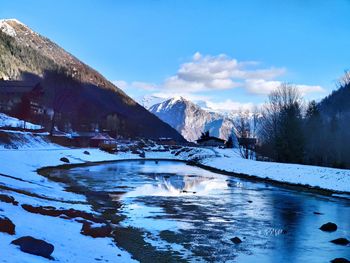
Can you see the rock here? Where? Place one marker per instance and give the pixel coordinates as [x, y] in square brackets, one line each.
[86, 152]
[34, 246]
[8, 199]
[103, 230]
[318, 213]
[236, 240]
[142, 155]
[52, 211]
[64, 159]
[340, 260]
[341, 241]
[6, 225]
[329, 227]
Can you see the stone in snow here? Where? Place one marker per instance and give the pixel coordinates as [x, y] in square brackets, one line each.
[34, 246]
[329, 227]
[64, 159]
[8, 199]
[236, 240]
[341, 241]
[102, 230]
[6, 226]
[340, 260]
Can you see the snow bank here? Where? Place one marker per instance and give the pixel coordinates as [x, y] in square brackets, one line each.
[315, 176]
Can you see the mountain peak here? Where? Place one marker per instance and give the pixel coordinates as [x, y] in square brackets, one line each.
[5, 26]
[190, 120]
[11, 20]
[176, 98]
[13, 26]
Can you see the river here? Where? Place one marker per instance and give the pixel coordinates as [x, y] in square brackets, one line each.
[167, 211]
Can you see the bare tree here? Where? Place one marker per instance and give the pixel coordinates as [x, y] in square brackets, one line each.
[345, 79]
[245, 126]
[281, 125]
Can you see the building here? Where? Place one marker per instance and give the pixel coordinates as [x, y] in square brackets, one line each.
[103, 141]
[211, 141]
[12, 92]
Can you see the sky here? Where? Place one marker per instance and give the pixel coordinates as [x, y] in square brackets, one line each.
[229, 54]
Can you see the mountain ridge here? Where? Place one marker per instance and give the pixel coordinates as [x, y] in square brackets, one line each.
[191, 120]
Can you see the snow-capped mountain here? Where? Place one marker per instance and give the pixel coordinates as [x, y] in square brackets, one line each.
[191, 120]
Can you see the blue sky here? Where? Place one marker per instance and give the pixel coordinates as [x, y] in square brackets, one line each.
[229, 53]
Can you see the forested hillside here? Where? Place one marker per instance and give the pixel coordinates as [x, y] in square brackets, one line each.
[89, 98]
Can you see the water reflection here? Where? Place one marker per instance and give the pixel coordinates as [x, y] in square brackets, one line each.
[175, 185]
[196, 213]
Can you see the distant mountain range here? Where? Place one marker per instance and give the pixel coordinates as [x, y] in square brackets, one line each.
[25, 51]
[191, 120]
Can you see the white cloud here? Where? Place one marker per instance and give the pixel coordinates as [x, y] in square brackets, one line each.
[305, 89]
[264, 87]
[261, 86]
[229, 105]
[210, 73]
[124, 85]
[207, 73]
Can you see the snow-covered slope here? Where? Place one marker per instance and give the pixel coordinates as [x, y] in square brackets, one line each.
[191, 120]
[7, 121]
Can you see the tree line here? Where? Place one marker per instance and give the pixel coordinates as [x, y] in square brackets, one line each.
[292, 131]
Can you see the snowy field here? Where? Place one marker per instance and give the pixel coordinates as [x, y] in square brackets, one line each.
[18, 172]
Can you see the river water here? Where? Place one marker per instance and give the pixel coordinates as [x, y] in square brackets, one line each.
[169, 211]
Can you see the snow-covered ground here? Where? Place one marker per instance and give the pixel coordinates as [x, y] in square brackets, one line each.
[18, 172]
[314, 176]
[7, 121]
[70, 245]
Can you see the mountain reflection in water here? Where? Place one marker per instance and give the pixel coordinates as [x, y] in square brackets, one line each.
[178, 185]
